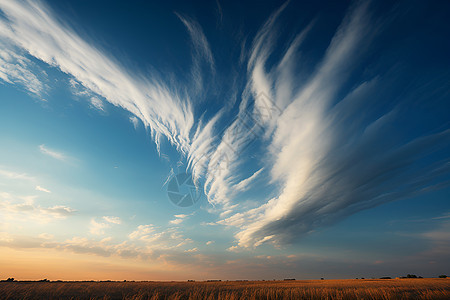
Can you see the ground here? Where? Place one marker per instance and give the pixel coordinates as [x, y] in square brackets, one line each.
[427, 288]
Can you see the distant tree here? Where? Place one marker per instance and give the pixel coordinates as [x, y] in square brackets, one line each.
[10, 279]
[385, 277]
[321, 278]
[411, 276]
[442, 276]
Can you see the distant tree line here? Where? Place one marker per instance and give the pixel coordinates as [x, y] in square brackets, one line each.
[11, 279]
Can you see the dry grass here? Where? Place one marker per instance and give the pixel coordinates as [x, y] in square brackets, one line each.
[304, 289]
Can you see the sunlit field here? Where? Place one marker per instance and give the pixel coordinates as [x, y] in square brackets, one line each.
[300, 289]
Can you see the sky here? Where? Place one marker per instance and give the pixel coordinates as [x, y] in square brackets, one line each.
[175, 140]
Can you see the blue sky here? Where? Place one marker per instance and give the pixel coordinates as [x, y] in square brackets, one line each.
[317, 137]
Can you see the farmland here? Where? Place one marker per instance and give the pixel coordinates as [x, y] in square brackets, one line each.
[298, 289]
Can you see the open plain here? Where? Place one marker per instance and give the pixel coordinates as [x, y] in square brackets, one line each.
[428, 288]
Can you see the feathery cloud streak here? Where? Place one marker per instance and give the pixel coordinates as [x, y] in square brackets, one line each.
[328, 169]
[325, 160]
[52, 153]
[31, 26]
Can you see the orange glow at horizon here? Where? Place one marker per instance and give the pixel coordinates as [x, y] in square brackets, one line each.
[36, 264]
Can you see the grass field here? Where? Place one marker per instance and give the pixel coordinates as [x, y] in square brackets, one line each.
[300, 289]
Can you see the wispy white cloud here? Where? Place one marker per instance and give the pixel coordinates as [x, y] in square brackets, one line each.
[134, 121]
[155, 238]
[41, 189]
[107, 247]
[244, 184]
[17, 207]
[166, 109]
[181, 216]
[323, 176]
[444, 216]
[15, 175]
[58, 211]
[101, 248]
[46, 236]
[296, 148]
[142, 231]
[113, 220]
[32, 27]
[53, 153]
[219, 11]
[234, 249]
[98, 228]
[201, 51]
[440, 235]
[223, 162]
[199, 40]
[25, 206]
[176, 221]
[191, 250]
[77, 89]
[97, 103]
[15, 68]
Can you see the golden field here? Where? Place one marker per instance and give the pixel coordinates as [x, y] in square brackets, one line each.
[299, 289]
